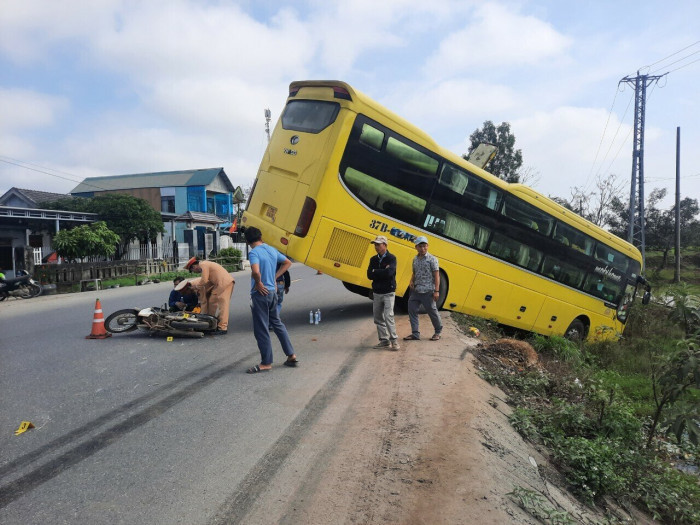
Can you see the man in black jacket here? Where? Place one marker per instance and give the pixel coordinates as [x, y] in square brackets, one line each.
[382, 273]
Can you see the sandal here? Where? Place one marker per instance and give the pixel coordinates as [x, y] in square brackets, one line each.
[411, 337]
[436, 337]
[255, 369]
[291, 362]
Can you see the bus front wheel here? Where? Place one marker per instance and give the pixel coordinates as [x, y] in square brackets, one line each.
[576, 331]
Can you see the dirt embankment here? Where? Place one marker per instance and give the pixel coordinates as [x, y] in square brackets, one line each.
[417, 437]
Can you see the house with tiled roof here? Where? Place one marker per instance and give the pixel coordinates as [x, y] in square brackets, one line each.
[26, 228]
[23, 198]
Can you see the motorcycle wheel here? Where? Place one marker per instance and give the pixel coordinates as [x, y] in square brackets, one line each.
[122, 321]
[33, 290]
[190, 325]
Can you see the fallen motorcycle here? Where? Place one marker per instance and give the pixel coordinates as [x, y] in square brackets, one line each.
[22, 287]
[161, 321]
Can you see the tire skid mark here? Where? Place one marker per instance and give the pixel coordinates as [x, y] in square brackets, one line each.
[51, 469]
[365, 506]
[235, 509]
[80, 432]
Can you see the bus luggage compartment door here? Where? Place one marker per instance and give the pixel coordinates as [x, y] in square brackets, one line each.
[488, 298]
[523, 307]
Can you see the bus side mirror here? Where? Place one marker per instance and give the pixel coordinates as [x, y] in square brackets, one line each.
[646, 297]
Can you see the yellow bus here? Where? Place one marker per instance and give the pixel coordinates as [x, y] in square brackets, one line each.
[340, 169]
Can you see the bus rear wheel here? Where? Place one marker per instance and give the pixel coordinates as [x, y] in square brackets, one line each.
[402, 302]
[576, 331]
[444, 285]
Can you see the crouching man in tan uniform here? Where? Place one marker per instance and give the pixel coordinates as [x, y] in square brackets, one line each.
[215, 290]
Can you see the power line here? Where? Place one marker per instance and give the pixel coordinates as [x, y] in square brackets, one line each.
[673, 54]
[605, 129]
[22, 165]
[38, 171]
[677, 61]
[656, 179]
[685, 65]
[612, 142]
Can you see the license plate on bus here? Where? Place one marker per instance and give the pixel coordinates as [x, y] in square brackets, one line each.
[271, 212]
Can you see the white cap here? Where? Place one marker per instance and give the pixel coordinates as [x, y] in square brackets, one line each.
[420, 240]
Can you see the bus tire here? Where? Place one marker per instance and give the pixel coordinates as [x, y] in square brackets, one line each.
[359, 290]
[576, 331]
[401, 303]
[444, 286]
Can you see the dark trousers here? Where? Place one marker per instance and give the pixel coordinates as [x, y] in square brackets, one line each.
[415, 300]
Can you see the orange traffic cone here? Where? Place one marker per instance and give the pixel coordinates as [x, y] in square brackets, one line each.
[98, 324]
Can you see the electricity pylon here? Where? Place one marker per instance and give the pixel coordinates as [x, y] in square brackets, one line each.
[635, 230]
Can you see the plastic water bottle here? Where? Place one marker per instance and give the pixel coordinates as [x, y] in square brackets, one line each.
[316, 317]
[311, 317]
[318, 312]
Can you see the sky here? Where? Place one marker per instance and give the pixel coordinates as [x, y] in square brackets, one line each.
[112, 87]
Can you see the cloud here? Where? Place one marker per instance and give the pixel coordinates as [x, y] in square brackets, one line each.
[454, 101]
[30, 30]
[161, 41]
[496, 38]
[23, 109]
[563, 144]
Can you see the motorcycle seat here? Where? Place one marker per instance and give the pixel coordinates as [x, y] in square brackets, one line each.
[10, 282]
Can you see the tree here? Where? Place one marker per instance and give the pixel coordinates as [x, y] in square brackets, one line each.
[596, 205]
[507, 162]
[672, 383]
[86, 240]
[659, 233]
[129, 217]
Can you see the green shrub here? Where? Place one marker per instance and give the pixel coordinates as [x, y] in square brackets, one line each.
[229, 256]
[559, 347]
[595, 468]
[670, 496]
[521, 419]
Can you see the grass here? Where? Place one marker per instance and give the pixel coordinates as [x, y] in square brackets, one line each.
[590, 406]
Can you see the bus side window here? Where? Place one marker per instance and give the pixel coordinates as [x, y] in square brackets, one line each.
[372, 137]
[527, 215]
[455, 227]
[573, 238]
[562, 239]
[611, 257]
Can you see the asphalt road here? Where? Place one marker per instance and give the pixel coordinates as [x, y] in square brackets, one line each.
[136, 429]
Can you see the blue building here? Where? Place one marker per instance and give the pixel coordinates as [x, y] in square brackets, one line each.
[208, 193]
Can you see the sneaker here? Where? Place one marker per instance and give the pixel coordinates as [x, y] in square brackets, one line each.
[220, 332]
[382, 344]
[395, 345]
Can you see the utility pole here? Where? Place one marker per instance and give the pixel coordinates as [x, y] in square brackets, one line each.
[677, 273]
[268, 117]
[635, 230]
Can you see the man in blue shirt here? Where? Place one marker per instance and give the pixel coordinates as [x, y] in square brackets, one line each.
[266, 265]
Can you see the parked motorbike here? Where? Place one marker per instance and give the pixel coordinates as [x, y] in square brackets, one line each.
[22, 287]
[161, 321]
